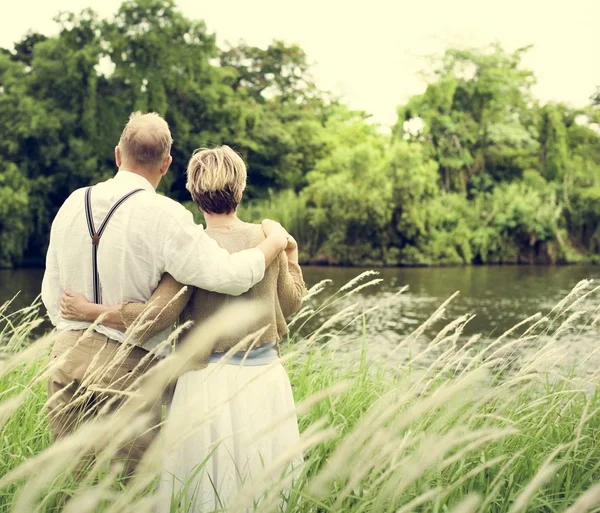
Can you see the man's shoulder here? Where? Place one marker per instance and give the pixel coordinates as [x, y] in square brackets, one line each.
[164, 205]
[77, 194]
[76, 197]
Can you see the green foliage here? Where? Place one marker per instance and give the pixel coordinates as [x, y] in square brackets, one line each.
[445, 232]
[414, 189]
[287, 207]
[518, 223]
[474, 171]
[553, 135]
[475, 117]
[64, 101]
[349, 194]
[585, 217]
[14, 213]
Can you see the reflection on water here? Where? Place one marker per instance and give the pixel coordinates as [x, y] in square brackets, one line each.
[25, 284]
[499, 297]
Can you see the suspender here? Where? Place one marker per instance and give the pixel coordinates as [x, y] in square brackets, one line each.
[95, 235]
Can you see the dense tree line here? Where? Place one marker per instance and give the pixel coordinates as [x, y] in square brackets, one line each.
[474, 171]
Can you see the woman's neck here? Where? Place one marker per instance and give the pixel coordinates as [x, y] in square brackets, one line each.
[221, 220]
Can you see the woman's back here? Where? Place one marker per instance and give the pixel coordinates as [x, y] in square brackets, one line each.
[282, 288]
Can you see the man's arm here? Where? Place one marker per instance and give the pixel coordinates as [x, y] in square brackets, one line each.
[193, 258]
[51, 288]
[277, 239]
[159, 313]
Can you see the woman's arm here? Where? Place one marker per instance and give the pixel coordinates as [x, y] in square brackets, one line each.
[75, 307]
[159, 312]
[290, 283]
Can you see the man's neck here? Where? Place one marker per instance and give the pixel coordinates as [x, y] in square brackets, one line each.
[152, 176]
[221, 220]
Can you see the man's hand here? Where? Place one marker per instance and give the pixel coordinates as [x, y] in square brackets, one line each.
[291, 244]
[273, 230]
[292, 250]
[276, 241]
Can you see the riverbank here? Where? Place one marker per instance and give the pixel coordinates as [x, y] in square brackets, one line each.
[379, 264]
[323, 261]
[491, 429]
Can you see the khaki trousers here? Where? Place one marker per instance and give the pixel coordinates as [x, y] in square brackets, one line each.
[89, 374]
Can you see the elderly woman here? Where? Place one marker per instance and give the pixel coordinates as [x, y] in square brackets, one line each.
[233, 417]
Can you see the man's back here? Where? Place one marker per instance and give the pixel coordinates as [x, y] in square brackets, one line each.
[148, 235]
[130, 256]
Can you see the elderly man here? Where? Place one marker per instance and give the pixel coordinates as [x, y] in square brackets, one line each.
[112, 243]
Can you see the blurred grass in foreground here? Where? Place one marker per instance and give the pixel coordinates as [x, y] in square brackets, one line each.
[472, 431]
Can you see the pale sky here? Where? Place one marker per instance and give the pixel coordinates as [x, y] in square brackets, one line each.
[371, 51]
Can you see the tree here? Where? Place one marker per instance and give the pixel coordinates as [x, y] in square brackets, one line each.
[23, 50]
[553, 139]
[15, 225]
[279, 72]
[284, 140]
[475, 170]
[348, 194]
[162, 63]
[475, 117]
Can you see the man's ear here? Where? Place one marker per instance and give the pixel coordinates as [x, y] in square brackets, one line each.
[118, 156]
[165, 167]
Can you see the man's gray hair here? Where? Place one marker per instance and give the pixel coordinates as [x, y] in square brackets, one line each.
[146, 140]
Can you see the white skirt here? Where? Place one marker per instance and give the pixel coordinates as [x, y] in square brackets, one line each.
[228, 426]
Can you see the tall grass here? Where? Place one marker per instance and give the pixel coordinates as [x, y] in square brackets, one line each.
[288, 208]
[476, 428]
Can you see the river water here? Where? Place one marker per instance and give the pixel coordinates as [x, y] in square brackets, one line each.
[498, 296]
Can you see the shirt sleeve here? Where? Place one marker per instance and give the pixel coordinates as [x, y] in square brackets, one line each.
[163, 308]
[290, 285]
[52, 290]
[194, 258]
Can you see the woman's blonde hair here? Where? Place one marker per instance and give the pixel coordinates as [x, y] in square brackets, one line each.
[216, 179]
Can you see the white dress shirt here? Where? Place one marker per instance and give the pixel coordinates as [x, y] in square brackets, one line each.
[147, 236]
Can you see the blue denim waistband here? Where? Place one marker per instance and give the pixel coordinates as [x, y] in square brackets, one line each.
[263, 355]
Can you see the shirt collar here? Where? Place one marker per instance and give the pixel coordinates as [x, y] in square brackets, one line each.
[137, 181]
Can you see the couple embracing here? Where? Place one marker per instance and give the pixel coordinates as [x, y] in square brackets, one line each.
[118, 246]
